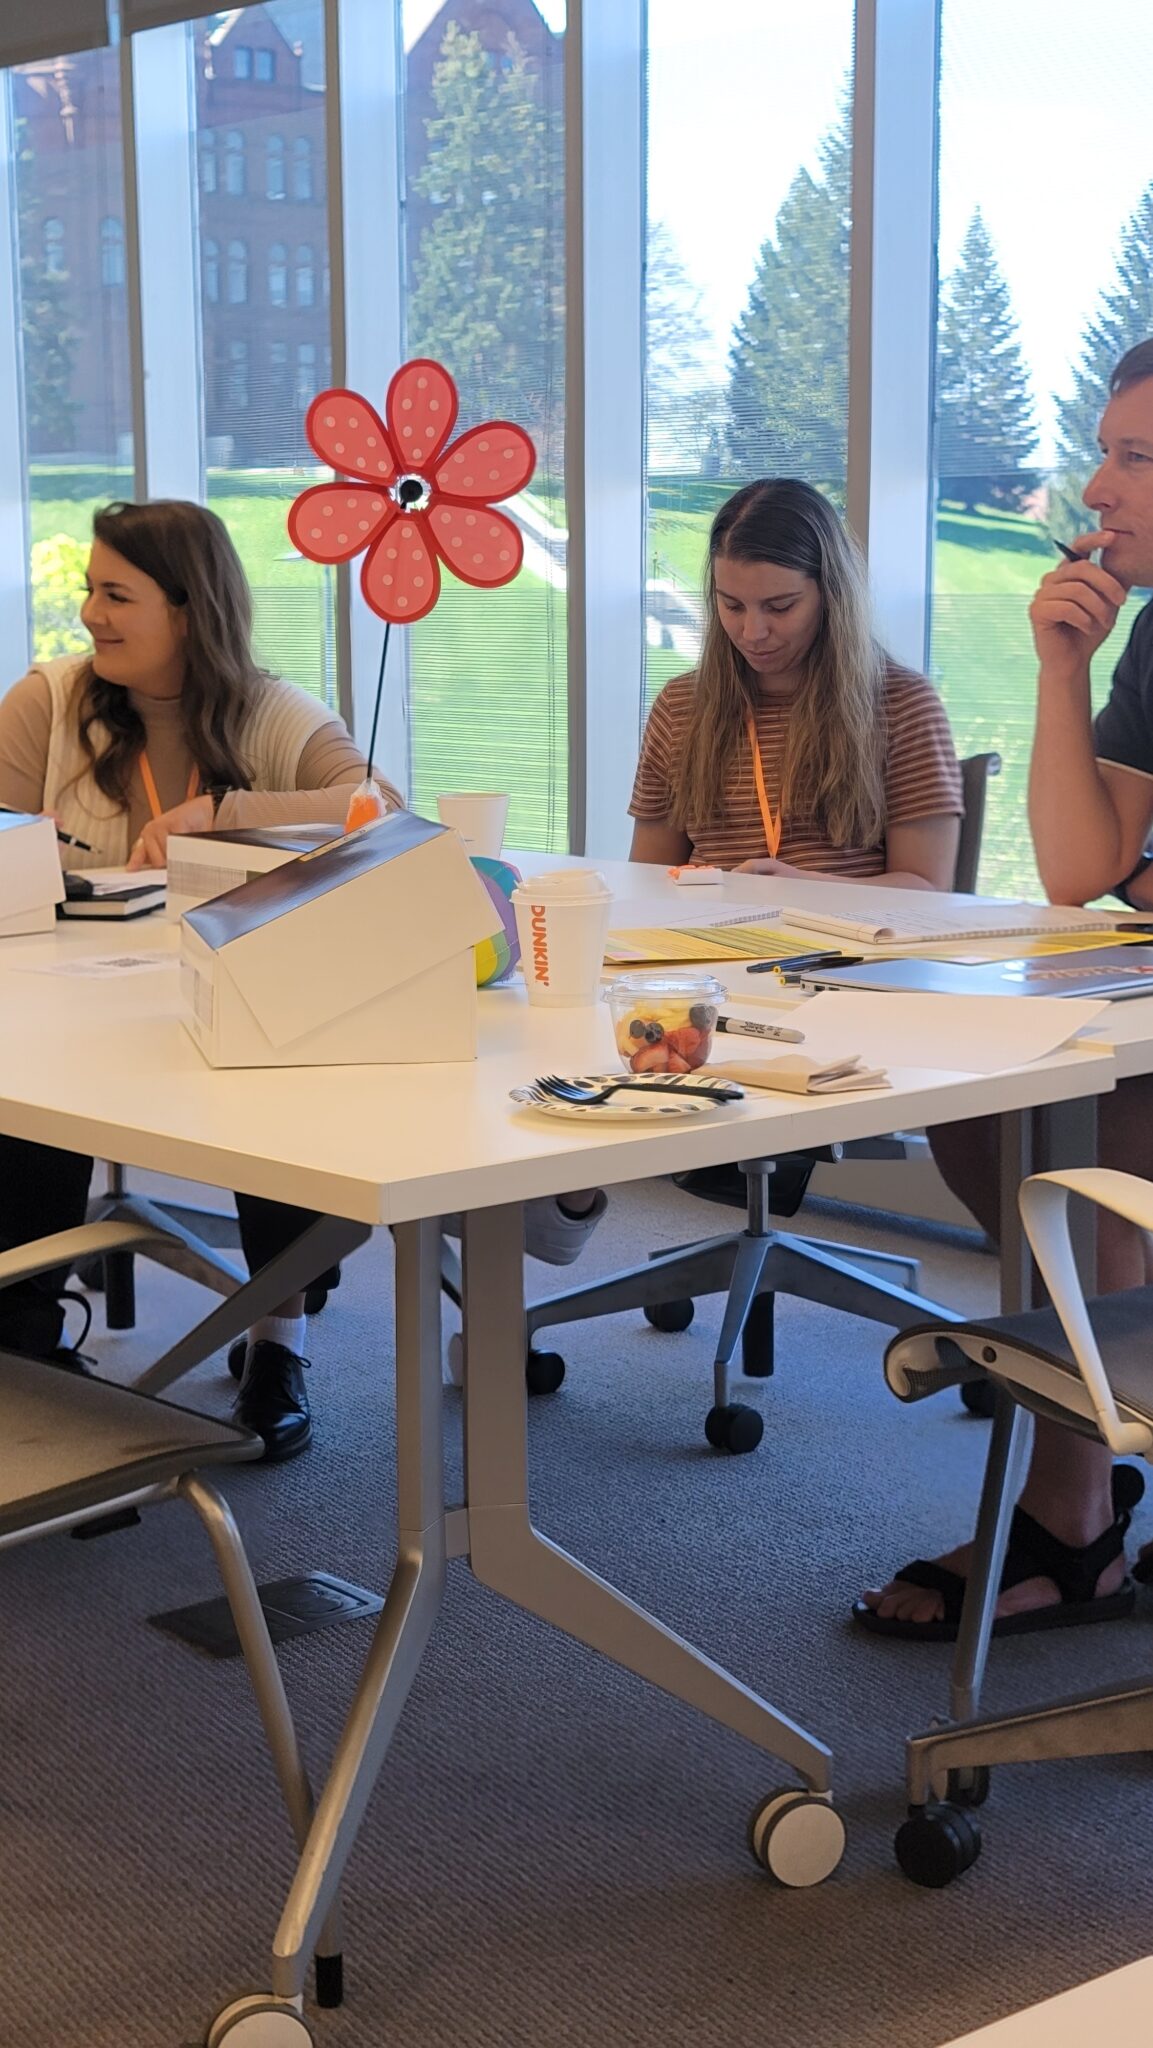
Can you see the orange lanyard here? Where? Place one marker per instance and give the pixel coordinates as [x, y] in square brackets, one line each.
[150, 789]
[770, 820]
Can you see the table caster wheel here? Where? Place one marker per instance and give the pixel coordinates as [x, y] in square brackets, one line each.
[797, 1837]
[734, 1428]
[978, 1396]
[670, 1316]
[543, 1372]
[259, 2022]
[969, 1787]
[937, 1844]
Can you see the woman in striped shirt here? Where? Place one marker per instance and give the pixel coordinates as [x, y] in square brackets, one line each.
[796, 746]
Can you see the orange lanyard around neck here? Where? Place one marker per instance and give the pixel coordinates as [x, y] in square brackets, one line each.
[150, 789]
[770, 819]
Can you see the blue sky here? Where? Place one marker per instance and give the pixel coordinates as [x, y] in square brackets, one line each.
[1045, 124]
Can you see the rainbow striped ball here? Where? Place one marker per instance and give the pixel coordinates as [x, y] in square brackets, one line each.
[496, 957]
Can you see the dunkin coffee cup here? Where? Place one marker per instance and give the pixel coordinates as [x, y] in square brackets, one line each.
[480, 820]
[562, 921]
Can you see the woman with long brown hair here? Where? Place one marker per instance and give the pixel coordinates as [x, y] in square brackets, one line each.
[796, 746]
[169, 725]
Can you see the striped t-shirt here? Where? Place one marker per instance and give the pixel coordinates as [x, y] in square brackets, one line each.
[922, 779]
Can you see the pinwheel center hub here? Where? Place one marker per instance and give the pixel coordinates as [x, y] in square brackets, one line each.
[411, 492]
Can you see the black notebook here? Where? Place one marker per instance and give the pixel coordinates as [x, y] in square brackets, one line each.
[102, 892]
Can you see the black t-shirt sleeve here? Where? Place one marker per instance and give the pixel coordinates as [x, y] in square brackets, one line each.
[1123, 728]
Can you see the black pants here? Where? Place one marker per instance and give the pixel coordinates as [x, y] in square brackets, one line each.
[43, 1190]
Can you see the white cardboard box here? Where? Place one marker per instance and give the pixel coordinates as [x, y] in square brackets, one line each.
[360, 952]
[202, 865]
[31, 879]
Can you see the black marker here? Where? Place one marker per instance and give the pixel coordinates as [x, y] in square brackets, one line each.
[795, 962]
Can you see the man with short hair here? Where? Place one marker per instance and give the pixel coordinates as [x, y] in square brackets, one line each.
[1091, 814]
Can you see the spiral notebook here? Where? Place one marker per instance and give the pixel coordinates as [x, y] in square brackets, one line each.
[984, 921]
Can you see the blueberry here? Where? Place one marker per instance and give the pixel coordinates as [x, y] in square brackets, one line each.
[636, 1028]
[702, 1016]
[654, 1033]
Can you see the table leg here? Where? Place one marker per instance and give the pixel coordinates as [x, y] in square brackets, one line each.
[414, 1598]
[507, 1553]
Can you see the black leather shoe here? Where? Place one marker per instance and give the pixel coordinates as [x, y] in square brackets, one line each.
[272, 1401]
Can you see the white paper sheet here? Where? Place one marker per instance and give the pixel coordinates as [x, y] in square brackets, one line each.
[102, 966]
[958, 1034]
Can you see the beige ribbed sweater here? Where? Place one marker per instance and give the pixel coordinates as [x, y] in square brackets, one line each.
[304, 761]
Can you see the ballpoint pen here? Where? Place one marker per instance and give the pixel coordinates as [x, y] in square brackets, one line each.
[740, 1028]
[1070, 554]
[65, 838]
[795, 962]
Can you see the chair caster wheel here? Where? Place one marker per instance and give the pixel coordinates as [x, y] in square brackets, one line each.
[968, 1787]
[734, 1428]
[937, 1844]
[670, 1316]
[259, 2022]
[979, 1396]
[798, 1837]
[543, 1372]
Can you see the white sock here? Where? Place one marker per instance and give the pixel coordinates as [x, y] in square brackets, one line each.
[286, 1330]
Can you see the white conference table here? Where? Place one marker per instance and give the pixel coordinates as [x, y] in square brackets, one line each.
[105, 1066]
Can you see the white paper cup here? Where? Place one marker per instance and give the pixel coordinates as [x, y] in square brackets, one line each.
[562, 921]
[479, 819]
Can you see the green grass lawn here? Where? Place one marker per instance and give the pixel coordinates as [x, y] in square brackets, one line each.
[487, 692]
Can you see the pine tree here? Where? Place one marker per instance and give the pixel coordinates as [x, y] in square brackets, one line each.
[789, 361]
[986, 428]
[488, 281]
[1124, 317]
[48, 336]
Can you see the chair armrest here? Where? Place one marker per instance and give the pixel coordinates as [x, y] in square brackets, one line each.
[1044, 1205]
[65, 1247]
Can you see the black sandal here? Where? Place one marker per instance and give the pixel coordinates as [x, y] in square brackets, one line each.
[1032, 1553]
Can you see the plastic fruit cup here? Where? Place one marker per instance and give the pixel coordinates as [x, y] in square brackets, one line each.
[664, 1023]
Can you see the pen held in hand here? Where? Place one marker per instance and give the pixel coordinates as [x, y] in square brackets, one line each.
[741, 1029]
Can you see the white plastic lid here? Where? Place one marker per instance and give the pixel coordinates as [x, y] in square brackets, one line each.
[566, 885]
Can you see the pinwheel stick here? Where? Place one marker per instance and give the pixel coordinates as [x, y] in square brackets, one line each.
[379, 694]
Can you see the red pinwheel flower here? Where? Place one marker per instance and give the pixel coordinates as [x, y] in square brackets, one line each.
[411, 501]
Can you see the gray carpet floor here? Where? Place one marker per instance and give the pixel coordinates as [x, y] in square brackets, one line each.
[554, 1854]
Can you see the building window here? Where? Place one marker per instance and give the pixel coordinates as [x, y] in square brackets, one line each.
[274, 168]
[208, 162]
[305, 375]
[305, 276]
[278, 275]
[54, 248]
[236, 383]
[234, 177]
[111, 250]
[210, 264]
[266, 66]
[277, 358]
[242, 61]
[237, 273]
[302, 168]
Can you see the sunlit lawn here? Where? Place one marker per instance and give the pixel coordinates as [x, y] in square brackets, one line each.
[487, 696]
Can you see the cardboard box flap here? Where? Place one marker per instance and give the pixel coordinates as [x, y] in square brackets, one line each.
[280, 838]
[311, 875]
[31, 877]
[392, 905]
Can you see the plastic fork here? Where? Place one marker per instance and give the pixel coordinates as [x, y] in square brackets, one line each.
[567, 1091]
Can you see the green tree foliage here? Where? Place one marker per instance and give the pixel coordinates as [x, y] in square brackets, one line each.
[58, 567]
[789, 361]
[49, 339]
[986, 427]
[488, 282]
[1123, 318]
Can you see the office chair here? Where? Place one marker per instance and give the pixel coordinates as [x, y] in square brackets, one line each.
[76, 1450]
[1087, 1365]
[756, 1264]
[183, 1236]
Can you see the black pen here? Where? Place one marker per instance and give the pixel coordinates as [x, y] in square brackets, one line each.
[65, 838]
[1070, 554]
[796, 962]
